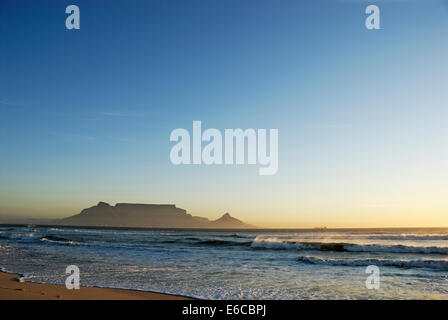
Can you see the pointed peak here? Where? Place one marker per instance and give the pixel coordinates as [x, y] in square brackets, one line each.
[103, 204]
[228, 222]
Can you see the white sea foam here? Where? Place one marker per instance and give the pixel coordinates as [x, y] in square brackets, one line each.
[420, 263]
[288, 244]
[19, 236]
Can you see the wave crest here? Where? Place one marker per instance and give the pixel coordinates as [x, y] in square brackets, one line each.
[278, 244]
[421, 263]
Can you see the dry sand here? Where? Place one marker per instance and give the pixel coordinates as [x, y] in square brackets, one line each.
[12, 289]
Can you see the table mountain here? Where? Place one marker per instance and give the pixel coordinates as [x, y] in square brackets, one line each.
[146, 216]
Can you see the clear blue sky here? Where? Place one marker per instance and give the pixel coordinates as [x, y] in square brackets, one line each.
[85, 115]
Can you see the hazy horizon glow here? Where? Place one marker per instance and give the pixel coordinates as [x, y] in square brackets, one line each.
[85, 116]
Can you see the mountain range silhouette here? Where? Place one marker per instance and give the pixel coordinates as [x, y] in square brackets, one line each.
[147, 216]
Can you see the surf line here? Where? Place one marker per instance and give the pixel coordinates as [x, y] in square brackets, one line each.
[233, 151]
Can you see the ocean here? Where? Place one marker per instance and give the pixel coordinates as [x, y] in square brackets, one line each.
[237, 264]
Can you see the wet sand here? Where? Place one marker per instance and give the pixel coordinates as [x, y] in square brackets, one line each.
[12, 289]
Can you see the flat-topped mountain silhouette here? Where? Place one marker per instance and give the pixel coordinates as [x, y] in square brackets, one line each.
[146, 216]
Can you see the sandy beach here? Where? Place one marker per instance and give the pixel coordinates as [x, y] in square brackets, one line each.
[12, 289]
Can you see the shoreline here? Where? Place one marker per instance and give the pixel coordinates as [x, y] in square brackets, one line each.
[12, 289]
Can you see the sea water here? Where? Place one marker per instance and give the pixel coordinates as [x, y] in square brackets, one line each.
[216, 264]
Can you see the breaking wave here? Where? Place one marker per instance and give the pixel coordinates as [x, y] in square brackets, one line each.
[421, 263]
[26, 236]
[277, 244]
[56, 239]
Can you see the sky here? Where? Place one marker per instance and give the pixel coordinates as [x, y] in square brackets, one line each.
[86, 115]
